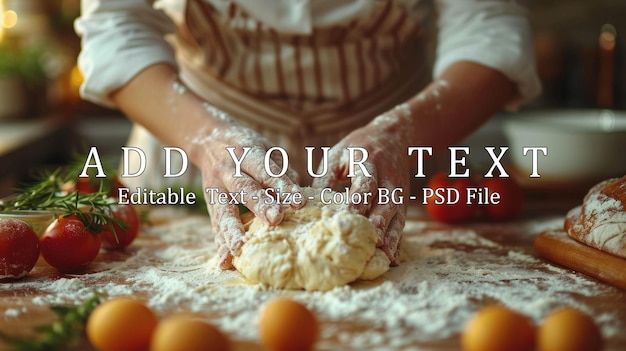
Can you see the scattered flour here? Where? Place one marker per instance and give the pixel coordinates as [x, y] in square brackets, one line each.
[434, 93]
[179, 87]
[12, 312]
[429, 297]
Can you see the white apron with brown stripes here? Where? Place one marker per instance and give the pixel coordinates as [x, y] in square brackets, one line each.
[300, 89]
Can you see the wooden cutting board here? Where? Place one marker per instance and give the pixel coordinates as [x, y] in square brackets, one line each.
[557, 246]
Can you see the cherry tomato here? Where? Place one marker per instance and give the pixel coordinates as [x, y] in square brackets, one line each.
[67, 246]
[446, 206]
[511, 198]
[19, 248]
[122, 237]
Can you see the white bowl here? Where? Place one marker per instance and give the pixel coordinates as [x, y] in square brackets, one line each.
[583, 145]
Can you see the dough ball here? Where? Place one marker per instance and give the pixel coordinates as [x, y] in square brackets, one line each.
[376, 266]
[317, 247]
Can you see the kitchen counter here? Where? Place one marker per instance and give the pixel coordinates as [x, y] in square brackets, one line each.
[448, 273]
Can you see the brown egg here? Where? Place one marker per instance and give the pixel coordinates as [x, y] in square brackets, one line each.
[188, 333]
[498, 328]
[121, 324]
[287, 325]
[568, 329]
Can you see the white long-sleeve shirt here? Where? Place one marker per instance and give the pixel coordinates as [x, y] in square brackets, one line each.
[120, 38]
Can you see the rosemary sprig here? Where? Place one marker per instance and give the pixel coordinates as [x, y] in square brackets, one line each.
[50, 193]
[37, 195]
[60, 334]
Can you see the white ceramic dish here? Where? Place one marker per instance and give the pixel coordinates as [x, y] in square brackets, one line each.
[583, 145]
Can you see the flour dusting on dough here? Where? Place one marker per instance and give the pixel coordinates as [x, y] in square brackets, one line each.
[318, 247]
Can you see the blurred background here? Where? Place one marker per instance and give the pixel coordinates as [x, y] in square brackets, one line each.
[580, 46]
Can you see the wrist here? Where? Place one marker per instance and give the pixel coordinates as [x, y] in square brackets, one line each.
[215, 131]
[203, 123]
[397, 122]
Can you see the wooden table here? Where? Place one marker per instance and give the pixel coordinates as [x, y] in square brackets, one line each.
[19, 298]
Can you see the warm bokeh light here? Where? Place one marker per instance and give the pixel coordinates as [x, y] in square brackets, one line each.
[76, 79]
[607, 37]
[9, 19]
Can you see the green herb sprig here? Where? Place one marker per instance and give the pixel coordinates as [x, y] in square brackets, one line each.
[58, 335]
[49, 193]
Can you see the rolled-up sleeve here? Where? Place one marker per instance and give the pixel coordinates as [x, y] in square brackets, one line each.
[119, 39]
[494, 33]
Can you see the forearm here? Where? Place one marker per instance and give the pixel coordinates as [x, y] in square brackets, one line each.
[454, 105]
[156, 100]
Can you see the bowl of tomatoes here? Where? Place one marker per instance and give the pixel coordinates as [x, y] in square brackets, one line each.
[572, 146]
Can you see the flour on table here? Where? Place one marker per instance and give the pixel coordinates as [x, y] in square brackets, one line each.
[318, 247]
[427, 299]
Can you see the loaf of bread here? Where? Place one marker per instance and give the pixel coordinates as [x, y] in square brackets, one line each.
[600, 221]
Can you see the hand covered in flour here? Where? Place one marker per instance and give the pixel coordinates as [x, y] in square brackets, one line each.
[220, 146]
[385, 139]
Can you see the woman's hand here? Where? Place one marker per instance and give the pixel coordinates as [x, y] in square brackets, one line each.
[386, 140]
[219, 146]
